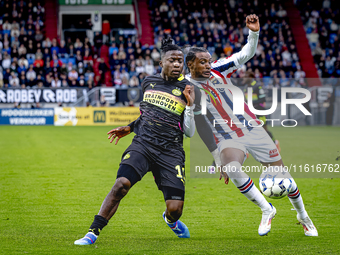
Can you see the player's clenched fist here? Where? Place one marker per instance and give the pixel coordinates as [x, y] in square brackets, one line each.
[118, 133]
[253, 23]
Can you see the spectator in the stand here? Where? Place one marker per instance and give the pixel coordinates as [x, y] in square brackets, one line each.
[163, 8]
[38, 36]
[89, 75]
[81, 69]
[172, 13]
[6, 63]
[78, 45]
[113, 49]
[149, 66]
[55, 62]
[117, 80]
[140, 69]
[114, 61]
[120, 41]
[63, 51]
[132, 71]
[64, 82]
[156, 56]
[98, 40]
[48, 82]
[131, 62]
[22, 77]
[79, 57]
[7, 74]
[299, 75]
[56, 82]
[55, 47]
[228, 49]
[140, 61]
[102, 70]
[125, 83]
[14, 80]
[72, 75]
[102, 102]
[88, 60]
[90, 83]
[134, 82]
[1, 80]
[31, 74]
[71, 51]
[22, 50]
[38, 62]
[74, 83]
[125, 74]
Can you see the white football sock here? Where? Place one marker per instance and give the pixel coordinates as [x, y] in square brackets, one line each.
[246, 186]
[296, 199]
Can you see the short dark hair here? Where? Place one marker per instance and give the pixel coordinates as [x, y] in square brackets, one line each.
[191, 55]
[168, 44]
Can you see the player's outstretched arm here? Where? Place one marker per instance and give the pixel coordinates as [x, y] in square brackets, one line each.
[118, 133]
[248, 51]
[189, 121]
[235, 61]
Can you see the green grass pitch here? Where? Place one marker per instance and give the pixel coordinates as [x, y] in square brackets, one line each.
[54, 179]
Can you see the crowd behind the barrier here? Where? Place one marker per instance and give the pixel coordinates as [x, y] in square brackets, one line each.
[29, 59]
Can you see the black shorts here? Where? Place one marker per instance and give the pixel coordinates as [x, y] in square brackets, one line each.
[167, 168]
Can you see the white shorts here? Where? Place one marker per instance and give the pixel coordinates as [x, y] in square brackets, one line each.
[257, 142]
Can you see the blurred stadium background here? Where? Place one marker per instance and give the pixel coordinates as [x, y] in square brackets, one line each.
[78, 53]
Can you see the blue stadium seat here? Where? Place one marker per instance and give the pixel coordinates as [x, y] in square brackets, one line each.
[332, 38]
[30, 61]
[72, 60]
[6, 32]
[64, 60]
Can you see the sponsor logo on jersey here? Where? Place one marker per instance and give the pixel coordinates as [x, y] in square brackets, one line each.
[273, 153]
[165, 100]
[176, 92]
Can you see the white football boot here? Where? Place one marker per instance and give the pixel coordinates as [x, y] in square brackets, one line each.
[308, 226]
[266, 222]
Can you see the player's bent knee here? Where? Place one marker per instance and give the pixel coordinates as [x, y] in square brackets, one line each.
[121, 187]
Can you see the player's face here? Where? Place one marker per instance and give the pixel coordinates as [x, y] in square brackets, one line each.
[201, 66]
[172, 64]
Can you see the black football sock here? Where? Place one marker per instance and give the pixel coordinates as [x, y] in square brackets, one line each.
[98, 224]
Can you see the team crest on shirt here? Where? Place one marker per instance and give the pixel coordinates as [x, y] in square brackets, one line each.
[214, 80]
[127, 156]
[176, 92]
[152, 85]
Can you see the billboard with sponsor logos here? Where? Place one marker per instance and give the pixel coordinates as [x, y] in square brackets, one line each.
[95, 116]
[41, 95]
[27, 116]
[96, 2]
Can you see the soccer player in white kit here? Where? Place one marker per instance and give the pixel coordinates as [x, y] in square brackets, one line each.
[239, 133]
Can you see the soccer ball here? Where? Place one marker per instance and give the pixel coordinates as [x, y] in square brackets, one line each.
[275, 187]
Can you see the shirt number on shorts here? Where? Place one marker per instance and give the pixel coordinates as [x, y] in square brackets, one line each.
[180, 173]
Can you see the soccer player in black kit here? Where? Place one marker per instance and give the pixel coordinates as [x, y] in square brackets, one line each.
[166, 113]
